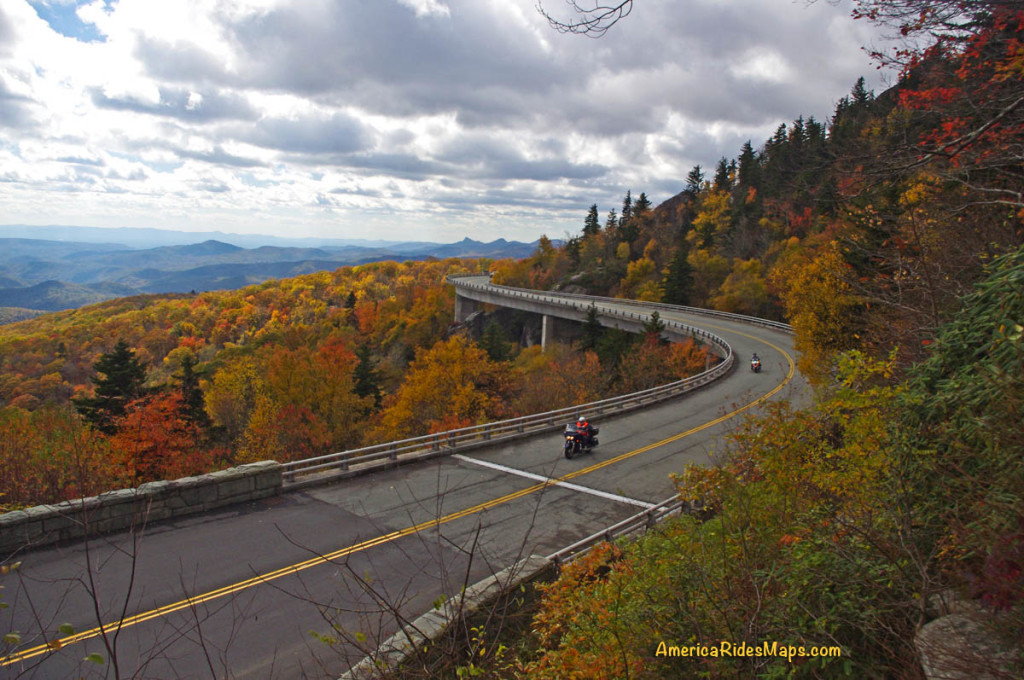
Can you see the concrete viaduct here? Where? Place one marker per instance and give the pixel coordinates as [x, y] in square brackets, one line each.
[471, 292]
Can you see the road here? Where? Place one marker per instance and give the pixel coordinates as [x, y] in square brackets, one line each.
[294, 586]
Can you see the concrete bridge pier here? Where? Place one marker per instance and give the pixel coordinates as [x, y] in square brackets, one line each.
[553, 328]
[547, 329]
[464, 306]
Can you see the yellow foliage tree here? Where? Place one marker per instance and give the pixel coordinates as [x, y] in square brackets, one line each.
[454, 381]
[709, 272]
[820, 306]
[711, 225]
[641, 281]
[744, 291]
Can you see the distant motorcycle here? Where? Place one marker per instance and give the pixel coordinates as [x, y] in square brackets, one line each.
[755, 365]
[577, 441]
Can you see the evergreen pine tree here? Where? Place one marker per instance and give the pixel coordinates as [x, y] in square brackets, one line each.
[627, 208]
[192, 406]
[494, 341]
[572, 249]
[679, 279]
[694, 181]
[367, 380]
[611, 223]
[722, 180]
[629, 230]
[592, 330]
[748, 174]
[860, 94]
[121, 382]
[591, 225]
[654, 326]
[642, 206]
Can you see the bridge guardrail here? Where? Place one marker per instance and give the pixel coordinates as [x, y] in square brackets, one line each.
[525, 292]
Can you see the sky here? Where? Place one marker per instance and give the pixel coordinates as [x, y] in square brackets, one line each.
[393, 119]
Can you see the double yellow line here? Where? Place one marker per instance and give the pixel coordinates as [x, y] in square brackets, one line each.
[189, 602]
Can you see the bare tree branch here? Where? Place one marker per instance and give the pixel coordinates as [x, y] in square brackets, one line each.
[593, 21]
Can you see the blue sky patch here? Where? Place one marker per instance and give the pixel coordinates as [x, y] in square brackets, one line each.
[63, 18]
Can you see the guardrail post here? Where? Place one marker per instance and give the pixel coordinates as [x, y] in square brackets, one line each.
[393, 452]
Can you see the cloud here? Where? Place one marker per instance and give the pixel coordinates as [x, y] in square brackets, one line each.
[15, 110]
[77, 160]
[182, 104]
[264, 112]
[335, 134]
[219, 156]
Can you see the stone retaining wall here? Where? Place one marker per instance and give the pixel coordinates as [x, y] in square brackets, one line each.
[116, 510]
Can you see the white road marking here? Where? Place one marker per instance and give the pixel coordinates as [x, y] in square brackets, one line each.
[555, 482]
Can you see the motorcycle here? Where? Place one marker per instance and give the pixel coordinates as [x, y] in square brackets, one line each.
[755, 365]
[577, 441]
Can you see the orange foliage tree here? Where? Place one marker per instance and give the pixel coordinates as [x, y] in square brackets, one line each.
[556, 378]
[153, 441]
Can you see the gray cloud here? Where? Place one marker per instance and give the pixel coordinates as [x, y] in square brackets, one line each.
[219, 157]
[481, 155]
[14, 108]
[406, 166]
[336, 134]
[179, 103]
[176, 62]
[213, 187]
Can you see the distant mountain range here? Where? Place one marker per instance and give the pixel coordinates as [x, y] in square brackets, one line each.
[44, 275]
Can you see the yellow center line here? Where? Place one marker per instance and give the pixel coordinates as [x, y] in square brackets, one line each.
[60, 643]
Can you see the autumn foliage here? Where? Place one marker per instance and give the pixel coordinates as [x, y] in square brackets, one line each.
[837, 525]
[166, 386]
[270, 372]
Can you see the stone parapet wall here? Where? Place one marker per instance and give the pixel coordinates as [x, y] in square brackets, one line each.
[46, 524]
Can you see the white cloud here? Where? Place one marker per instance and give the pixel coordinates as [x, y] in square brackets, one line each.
[768, 66]
[427, 7]
[404, 118]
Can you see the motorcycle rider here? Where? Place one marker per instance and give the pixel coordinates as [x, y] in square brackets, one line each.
[584, 428]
